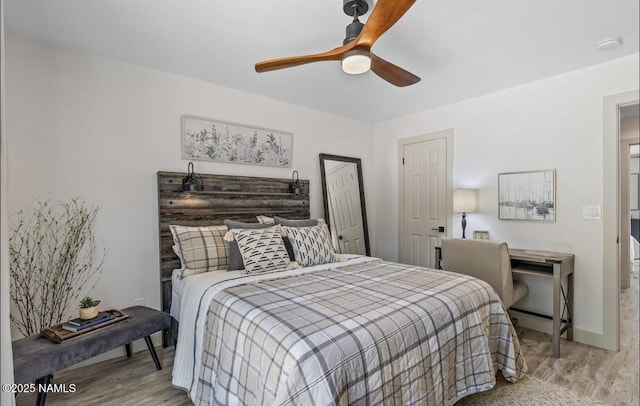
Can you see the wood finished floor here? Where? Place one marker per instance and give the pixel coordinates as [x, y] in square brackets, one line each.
[610, 377]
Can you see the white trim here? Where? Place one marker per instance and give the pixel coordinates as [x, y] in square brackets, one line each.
[610, 216]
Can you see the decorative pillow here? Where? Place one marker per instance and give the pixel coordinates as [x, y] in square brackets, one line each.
[265, 220]
[311, 245]
[295, 223]
[262, 250]
[200, 249]
[299, 223]
[302, 223]
[176, 250]
[235, 258]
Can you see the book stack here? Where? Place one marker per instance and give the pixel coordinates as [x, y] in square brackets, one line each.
[79, 324]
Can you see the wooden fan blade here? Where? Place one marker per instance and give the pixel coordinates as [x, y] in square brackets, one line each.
[383, 16]
[281, 63]
[392, 73]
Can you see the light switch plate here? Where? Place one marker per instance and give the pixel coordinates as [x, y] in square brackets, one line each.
[591, 212]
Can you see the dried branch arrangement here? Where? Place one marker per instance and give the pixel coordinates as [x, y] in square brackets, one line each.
[53, 259]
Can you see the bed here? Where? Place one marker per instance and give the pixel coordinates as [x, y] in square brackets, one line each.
[240, 198]
[354, 330]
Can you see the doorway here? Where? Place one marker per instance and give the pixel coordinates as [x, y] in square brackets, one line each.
[628, 205]
[634, 202]
[425, 168]
[611, 214]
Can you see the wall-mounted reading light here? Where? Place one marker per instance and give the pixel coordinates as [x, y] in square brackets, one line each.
[294, 186]
[192, 182]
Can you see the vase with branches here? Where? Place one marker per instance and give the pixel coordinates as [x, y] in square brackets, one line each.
[54, 257]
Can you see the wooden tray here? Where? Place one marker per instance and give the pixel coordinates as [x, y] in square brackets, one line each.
[58, 334]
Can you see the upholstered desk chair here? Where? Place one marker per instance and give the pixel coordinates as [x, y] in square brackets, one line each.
[485, 260]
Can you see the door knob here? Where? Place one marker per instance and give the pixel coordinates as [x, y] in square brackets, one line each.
[439, 229]
[340, 237]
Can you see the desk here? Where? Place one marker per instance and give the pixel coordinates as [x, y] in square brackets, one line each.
[554, 265]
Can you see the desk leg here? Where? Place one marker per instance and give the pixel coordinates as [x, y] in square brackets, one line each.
[557, 310]
[570, 306]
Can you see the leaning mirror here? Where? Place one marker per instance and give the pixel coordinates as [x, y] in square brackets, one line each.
[344, 205]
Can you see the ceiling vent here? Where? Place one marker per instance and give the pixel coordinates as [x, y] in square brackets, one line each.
[608, 43]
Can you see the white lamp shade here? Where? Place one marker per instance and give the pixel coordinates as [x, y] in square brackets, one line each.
[356, 63]
[465, 200]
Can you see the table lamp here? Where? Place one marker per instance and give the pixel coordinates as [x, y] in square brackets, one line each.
[465, 201]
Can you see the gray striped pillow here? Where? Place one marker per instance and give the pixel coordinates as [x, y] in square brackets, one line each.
[202, 249]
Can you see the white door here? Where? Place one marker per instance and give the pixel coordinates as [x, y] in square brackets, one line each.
[346, 213]
[425, 166]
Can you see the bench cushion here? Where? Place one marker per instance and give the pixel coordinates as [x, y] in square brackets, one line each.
[36, 356]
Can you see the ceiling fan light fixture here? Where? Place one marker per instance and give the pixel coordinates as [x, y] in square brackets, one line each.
[356, 62]
[355, 53]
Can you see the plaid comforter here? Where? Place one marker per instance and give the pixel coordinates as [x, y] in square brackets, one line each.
[375, 333]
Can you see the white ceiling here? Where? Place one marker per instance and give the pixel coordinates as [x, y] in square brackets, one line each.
[460, 48]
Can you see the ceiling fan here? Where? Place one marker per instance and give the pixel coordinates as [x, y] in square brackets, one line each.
[355, 53]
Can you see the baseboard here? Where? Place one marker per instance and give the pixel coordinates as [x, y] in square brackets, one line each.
[588, 337]
[136, 346]
[546, 326]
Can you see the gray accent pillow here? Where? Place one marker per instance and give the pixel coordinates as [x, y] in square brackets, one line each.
[235, 261]
[295, 223]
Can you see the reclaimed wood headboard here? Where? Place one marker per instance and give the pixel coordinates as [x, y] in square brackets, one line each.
[240, 198]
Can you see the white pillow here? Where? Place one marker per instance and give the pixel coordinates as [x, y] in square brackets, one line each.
[265, 220]
[311, 245]
[200, 249]
[262, 249]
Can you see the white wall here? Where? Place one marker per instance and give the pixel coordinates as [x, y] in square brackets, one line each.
[84, 125]
[556, 123]
[6, 369]
[88, 126]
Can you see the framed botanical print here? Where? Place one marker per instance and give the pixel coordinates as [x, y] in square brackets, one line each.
[218, 141]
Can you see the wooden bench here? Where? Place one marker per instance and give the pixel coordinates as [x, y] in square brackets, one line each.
[36, 358]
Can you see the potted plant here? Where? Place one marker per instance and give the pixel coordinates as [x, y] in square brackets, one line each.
[88, 308]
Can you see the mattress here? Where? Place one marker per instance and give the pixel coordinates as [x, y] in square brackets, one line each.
[190, 283]
[193, 282]
[364, 331]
